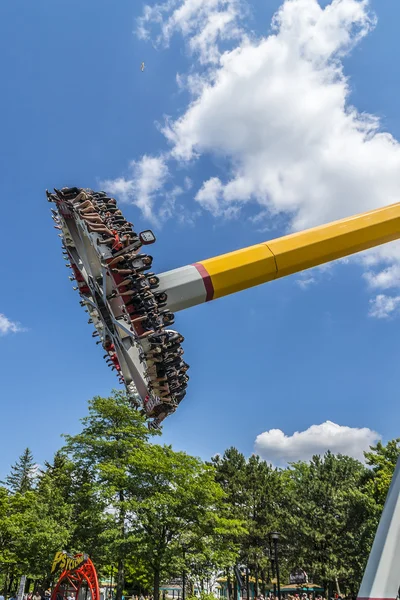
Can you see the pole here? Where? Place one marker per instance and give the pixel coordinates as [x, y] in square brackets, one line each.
[275, 540]
[230, 273]
[21, 588]
[273, 573]
[381, 578]
[229, 584]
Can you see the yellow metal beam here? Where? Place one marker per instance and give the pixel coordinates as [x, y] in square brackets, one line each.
[283, 256]
[242, 269]
[230, 273]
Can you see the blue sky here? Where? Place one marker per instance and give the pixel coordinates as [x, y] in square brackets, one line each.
[77, 110]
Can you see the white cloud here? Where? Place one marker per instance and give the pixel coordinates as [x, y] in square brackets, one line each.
[305, 282]
[7, 326]
[169, 208]
[385, 279]
[209, 194]
[279, 449]
[278, 109]
[204, 23]
[147, 178]
[383, 306]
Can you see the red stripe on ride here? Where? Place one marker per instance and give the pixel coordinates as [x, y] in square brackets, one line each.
[207, 281]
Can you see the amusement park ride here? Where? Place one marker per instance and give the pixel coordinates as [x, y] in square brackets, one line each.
[78, 575]
[132, 311]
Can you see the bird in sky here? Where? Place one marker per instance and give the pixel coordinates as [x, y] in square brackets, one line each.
[142, 66]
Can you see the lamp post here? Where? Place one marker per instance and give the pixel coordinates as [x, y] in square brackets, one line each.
[247, 583]
[275, 538]
[272, 562]
[273, 572]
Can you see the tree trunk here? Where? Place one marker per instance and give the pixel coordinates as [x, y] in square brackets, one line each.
[156, 583]
[247, 583]
[120, 579]
[121, 564]
[228, 585]
[263, 586]
[5, 582]
[256, 582]
[10, 583]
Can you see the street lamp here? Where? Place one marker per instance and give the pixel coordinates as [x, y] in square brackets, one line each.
[275, 537]
[272, 562]
[273, 573]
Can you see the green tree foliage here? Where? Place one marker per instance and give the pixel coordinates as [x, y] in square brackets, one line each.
[151, 493]
[149, 513]
[110, 449]
[383, 460]
[21, 478]
[177, 515]
[330, 514]
[253, 493]
[15, 519]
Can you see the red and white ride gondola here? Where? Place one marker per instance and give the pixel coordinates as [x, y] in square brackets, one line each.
[107, 261]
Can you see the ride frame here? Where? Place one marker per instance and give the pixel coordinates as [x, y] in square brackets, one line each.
[230, 273]
[72, 580]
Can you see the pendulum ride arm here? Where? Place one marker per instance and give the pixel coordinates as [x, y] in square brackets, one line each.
[229, 273]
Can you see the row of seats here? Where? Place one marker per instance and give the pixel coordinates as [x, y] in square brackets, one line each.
[134, 296]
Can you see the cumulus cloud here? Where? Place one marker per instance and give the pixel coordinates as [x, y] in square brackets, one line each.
[277, 108]
[385, 279]
[146, 179]
[205, 24]
[280, 449]
[383, 307]
[7, 326]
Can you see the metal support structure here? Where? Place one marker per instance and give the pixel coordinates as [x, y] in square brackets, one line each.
[118, 292]
[381, 579]
[272, 559]
[230, 273]
[70, 582]
[278, 582]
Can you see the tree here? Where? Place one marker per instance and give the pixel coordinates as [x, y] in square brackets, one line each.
[110, 448]
[331, 515]
[91, 522]
[253, 493]
[46, 525]
[264, 500]
[230, 474]
[178, 519]
[21, 478]
[383, 460]
[15, 518]
[151, 494]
